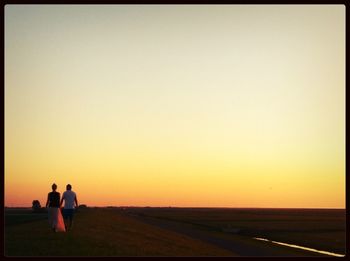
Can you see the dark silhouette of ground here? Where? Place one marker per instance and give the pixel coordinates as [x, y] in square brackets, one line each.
[237, 246]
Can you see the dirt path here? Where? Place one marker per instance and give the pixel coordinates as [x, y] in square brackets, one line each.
[235, 244]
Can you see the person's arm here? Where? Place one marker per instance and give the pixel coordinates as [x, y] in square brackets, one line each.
[47, 201]
[76, 201]
[62, 200]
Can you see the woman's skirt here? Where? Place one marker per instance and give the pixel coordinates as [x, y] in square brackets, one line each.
[56, 220]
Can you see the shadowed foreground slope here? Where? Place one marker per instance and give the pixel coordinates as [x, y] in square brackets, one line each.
[118, 232]
[100, 232]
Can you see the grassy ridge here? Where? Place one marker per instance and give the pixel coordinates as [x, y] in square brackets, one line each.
[101, 232]
[124, 232]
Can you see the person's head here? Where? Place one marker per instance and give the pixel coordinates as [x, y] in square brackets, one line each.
[54, 187]
[69, 187]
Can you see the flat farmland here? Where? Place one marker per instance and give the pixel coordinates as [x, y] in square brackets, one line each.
[139, 231]
[323, 229]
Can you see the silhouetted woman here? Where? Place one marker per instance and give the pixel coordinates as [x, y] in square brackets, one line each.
[53, 204]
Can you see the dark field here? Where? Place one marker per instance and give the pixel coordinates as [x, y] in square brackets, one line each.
[315, 228]
[177, 232]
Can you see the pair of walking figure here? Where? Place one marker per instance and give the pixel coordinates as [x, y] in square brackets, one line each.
[54, 204]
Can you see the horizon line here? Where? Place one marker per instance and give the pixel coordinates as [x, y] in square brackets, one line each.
[198, 207]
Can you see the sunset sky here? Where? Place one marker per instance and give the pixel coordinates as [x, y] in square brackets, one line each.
[182, 105]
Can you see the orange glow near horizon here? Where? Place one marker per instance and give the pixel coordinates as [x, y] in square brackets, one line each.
[183, 106]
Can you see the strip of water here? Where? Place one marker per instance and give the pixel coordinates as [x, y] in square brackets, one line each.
[300, 247]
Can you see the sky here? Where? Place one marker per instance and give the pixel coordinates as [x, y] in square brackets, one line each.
[176, 105]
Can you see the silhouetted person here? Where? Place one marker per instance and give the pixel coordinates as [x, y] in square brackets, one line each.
[69, 198]
[53, 204]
